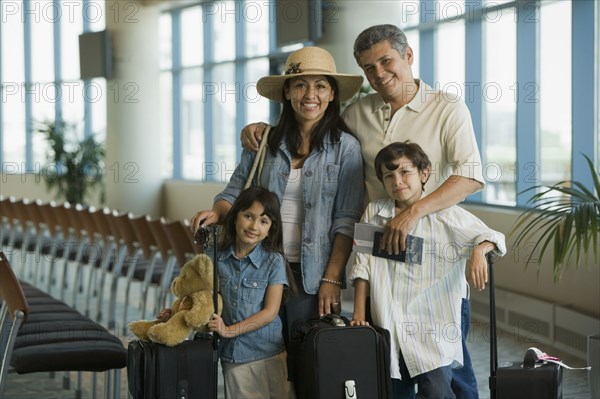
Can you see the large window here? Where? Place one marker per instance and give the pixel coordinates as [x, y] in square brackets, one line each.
[555, 92]
[499, 92]
[516, 58]
[213, 54]
[40, 77]
[527, 72]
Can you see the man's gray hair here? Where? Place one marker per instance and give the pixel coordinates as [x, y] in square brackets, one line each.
[375, 34]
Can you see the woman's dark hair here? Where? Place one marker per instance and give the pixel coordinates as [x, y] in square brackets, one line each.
[274, 240]
[388, 156]
[287, 126]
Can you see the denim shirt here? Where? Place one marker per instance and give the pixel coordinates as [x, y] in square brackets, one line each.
[243, 284]
[332, 192]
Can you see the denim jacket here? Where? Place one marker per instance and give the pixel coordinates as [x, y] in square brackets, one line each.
[243, 284]
[333, 188]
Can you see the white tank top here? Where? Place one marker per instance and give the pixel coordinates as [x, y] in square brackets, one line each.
[292, 215]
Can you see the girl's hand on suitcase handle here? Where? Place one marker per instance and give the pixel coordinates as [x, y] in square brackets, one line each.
[215, 324]
[355, 322]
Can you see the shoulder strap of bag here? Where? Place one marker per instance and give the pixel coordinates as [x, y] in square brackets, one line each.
[259, 160]
[215, 233]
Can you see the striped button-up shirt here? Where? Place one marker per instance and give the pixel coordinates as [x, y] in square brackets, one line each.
[420, 303]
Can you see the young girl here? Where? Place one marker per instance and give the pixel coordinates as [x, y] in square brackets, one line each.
[253, 274]
[420, 303]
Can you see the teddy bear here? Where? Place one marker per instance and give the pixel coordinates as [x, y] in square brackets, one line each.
[191, 310]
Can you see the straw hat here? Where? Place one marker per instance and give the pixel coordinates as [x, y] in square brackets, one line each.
[309, 61]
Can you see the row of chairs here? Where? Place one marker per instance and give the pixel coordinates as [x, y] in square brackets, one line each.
[42, 334]
[114, 247]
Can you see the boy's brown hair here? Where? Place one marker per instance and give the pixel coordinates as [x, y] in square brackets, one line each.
[388, 156]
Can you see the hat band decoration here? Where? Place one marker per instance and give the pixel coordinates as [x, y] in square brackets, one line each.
[293, 68]
[308, 61]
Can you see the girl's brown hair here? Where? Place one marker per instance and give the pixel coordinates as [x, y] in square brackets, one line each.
[274, 240]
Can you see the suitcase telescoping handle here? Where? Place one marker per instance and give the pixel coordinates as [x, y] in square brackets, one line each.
[493, 338]
[202, 238]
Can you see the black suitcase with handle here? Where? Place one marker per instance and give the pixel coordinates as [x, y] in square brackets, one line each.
[527, 379]
[184, 371]
[332, 360]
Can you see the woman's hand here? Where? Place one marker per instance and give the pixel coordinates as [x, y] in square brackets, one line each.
[329, 299]
[203, 218]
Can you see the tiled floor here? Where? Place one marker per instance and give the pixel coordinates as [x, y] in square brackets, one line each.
[575, 386]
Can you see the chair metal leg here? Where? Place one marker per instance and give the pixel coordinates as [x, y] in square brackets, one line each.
[93, 282]
[94, 384]
[79, 388]
[117, 384]
[147, 283]
[112, 305]
[116, 272]
[107, 384]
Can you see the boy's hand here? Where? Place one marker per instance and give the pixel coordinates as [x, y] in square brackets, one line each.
[477, 267]
[252, 135]
[355, 322]
[477, 271]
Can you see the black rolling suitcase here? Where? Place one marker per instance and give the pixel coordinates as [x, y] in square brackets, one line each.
[188, 370]
[332, 360]
[184, 371]
[530, 379]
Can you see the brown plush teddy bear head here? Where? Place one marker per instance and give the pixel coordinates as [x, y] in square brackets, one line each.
[191, 310]
[196, 275]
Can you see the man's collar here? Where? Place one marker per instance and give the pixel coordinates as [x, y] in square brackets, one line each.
[416, 104]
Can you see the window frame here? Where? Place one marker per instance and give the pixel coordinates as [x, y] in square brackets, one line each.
[177, 69]
[585, 48]
[29, 84]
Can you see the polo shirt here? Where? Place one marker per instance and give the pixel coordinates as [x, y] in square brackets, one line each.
[438, 121]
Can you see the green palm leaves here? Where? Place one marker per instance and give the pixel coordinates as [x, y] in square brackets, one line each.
[566, 217]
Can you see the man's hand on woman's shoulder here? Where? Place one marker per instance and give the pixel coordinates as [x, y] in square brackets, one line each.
[251, 135]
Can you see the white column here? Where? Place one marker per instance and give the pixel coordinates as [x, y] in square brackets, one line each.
[133, 179]
[344, 20]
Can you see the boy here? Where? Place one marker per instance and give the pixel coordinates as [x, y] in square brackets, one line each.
[420, 303]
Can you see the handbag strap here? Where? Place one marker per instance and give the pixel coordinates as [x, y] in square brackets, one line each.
[259, 160]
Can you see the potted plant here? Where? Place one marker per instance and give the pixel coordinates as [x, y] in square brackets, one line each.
[74, 166]
[566, 217]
